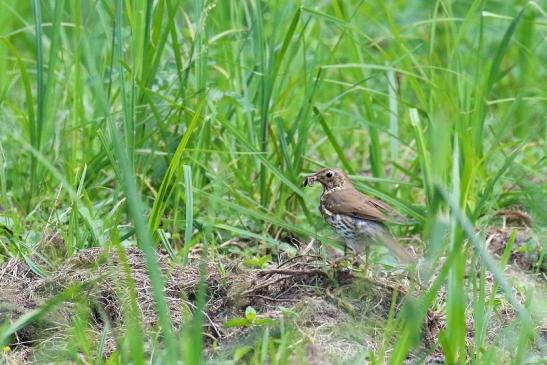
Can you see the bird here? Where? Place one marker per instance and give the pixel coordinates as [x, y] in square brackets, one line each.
[359, 219]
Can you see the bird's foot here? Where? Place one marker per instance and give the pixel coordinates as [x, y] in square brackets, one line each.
[347, 264]
[339, 262]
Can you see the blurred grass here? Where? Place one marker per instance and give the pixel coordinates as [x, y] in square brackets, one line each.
[145, 114]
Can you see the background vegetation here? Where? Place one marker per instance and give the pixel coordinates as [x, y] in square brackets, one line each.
[170, 124]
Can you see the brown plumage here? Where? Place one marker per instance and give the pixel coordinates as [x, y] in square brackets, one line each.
[359, 219]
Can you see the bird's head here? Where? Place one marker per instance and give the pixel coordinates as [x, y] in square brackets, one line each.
[330, 178]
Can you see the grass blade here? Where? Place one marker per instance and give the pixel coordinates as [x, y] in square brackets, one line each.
[168, 182]
[189, 221]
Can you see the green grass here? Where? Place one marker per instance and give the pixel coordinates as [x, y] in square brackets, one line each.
[171, 124]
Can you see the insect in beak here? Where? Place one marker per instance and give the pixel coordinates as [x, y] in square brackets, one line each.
[309, 180]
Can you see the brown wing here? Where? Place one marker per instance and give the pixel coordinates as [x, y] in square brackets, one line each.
[353, 203]
[393, 216]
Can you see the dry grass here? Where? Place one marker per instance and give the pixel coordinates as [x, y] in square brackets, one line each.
[328, 299]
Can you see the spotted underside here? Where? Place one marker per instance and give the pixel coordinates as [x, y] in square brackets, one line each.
[357, 233]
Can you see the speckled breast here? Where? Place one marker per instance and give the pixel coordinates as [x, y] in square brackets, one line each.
[351, 228]
[343, 225]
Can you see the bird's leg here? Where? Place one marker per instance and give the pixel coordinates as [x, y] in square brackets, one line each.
[348, 261]
[338, 260]
[355, 252]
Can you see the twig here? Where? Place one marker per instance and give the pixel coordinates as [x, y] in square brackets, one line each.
[277, 299]
[263, 285]
[293, 272]
[288, 272]
[309, 246]
[317, 258]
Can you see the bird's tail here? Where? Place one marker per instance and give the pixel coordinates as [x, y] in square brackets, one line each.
[402, 254]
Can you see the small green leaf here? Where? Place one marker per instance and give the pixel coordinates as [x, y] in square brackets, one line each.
[236, 322]
[258, 261]
[250, 314]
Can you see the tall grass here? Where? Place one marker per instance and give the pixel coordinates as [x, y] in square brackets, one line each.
[177, 123]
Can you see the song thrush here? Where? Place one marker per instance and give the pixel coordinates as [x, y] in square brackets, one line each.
[359, 219]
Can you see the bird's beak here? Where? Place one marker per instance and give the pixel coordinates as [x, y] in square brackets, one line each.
[309, 180]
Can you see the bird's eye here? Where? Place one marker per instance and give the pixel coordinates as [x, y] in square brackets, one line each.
[329, 174]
